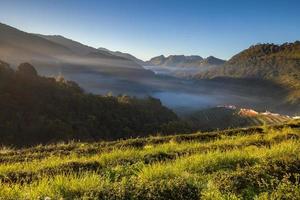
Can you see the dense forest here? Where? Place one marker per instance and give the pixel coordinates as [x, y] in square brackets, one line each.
[37, 109]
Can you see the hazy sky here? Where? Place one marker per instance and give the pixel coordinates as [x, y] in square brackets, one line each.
[147, 28]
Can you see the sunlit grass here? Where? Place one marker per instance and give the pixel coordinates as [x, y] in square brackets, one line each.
[250, 165]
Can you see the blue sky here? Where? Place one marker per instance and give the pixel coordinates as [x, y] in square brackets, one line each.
[147, 28]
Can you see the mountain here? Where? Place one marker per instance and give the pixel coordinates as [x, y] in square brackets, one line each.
[94, 70]
[266, 61]
[185, 61]
[175, 60]
[211, 60]
[17, 46]
[277, 63]
[124, 55]
[182, 66]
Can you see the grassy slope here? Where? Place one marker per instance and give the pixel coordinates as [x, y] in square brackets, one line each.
[260, 162]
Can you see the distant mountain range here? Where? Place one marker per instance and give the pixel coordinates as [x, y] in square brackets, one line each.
[185, 61]
[182, 66]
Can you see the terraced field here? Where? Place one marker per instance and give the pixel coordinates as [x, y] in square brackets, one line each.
[250, 163]
[224, 118]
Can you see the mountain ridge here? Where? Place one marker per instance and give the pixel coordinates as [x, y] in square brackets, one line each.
[76, 47]
[124, 55]
[16, 42]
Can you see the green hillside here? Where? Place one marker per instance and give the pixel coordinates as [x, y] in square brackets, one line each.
[223, 118]
[35, 110]
[254, 163]
[277, 63]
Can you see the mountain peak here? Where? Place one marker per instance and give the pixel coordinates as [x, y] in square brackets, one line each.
[211, 60]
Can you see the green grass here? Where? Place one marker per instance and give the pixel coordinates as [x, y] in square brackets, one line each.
[250, 163]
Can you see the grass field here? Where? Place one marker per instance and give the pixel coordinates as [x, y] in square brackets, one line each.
[250, 163]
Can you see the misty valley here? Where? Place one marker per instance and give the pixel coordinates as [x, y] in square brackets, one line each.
[183, 95]
[80, 121]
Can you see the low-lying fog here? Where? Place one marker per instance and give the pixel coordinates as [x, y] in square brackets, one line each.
[177, 71]
[181, 95]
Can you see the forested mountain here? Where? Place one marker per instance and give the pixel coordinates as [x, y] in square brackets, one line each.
[265, 61]
[37, 109]
[277, 63]
[185, 61]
